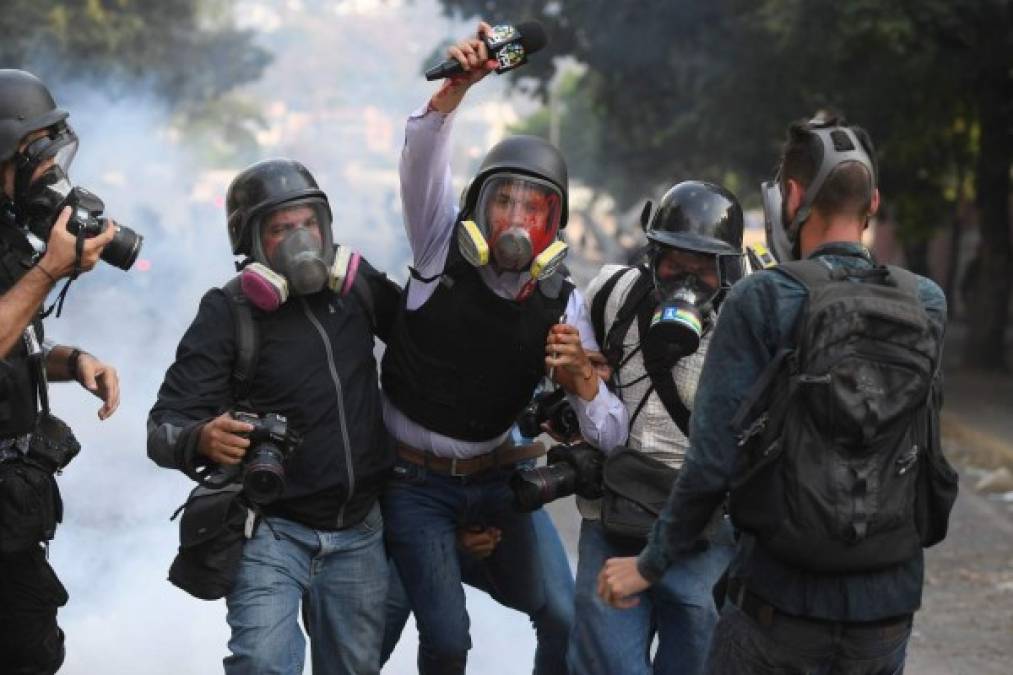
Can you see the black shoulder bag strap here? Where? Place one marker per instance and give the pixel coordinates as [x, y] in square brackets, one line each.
[663, 382]
[247, 343]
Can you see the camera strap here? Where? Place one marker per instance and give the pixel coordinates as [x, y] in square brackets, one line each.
[78, 251]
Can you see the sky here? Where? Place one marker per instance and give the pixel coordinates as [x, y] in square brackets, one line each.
[344, 77]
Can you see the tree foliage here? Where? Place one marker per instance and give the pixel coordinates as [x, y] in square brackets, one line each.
[184, 52]
[705, 89]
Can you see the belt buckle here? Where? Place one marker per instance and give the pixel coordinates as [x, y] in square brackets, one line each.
[453, 469]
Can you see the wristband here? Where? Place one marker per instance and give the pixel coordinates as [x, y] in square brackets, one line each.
[75, 356]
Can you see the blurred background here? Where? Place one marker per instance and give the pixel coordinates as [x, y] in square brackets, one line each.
[171, 98]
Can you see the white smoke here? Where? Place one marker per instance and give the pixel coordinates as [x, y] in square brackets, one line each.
[345, 76]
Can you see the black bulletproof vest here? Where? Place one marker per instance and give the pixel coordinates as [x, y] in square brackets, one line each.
[18, 376]
[466, 362]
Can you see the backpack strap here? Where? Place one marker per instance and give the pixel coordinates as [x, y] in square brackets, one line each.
[612, 345]
[599, 302]
[364, 295]
[247, 342]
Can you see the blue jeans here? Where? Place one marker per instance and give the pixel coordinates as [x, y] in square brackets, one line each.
[341, 579]
[796, 646]
[679, 609]
[422, 511]
[552, 623]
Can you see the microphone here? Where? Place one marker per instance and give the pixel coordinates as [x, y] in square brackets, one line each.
[509, 45]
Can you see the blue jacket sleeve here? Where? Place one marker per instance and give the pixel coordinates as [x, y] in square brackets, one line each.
[743, 344]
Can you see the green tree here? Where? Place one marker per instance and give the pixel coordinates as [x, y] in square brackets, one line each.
[705, 88]
[185, 52]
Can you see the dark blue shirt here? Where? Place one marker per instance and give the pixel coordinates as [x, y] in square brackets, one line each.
[756, 320]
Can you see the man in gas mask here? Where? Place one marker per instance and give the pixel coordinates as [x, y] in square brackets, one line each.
[817, 417]
[36, 250]
[464, 359]
[291, 336]
[654, 322]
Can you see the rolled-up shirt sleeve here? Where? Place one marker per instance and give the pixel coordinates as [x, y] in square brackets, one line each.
[427, 191]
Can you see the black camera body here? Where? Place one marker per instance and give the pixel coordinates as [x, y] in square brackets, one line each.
[86, 220]
[53, 191]
[569, 469]
[551, 407]
[271, 443]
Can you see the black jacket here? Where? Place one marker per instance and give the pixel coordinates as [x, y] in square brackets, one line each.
[315, 367]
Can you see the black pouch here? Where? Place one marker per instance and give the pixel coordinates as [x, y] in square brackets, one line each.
[212, 532]
[937, 486]
[52, 444]
[635, 489]
[30, 505]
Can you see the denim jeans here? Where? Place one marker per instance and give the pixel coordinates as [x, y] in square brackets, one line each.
[422, 511]
[679, 609]
[795, 646]
[339, 576]
[552, 623]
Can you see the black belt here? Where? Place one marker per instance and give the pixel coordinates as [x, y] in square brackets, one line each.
[764, 613]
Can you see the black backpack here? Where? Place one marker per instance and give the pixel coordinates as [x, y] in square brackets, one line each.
[841, 469]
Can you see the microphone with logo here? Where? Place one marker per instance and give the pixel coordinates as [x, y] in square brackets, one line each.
[509, 45]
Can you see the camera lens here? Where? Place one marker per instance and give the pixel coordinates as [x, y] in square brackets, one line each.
[122, 251]
[534, 487]
[264, 481]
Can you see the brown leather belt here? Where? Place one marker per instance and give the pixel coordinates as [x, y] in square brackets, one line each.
[503, 456]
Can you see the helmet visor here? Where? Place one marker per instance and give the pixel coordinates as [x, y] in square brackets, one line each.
[686, 272]
[519, 217]
[58, 145]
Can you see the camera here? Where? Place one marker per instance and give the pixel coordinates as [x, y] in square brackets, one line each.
[85, 219]
[54, 191]
[271, 442]
[570, 469]
[549, 407]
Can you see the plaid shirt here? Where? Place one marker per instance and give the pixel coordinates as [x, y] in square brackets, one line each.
[653, 432]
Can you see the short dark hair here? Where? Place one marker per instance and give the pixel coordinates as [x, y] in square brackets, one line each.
[847, 190]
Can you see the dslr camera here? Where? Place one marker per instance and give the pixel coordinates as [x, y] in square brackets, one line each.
[569, 469]
[551, 407]
[271, 443]
[54, 192]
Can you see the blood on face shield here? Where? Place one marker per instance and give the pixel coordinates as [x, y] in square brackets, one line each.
[519, 217]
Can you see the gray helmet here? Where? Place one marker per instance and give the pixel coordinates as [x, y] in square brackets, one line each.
[526, 155]
[262, 188]
[25, 106]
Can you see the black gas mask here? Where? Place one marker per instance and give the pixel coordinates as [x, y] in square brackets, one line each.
[685, 295]
[39, 199]
[51, 192]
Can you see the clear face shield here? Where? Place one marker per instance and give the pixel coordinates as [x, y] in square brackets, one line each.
[518, 216]
[294, 241]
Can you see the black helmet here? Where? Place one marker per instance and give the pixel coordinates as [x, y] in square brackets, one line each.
[25, 106]
[698, 216]
[703, 218]
[262, 188]
[527, 155]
